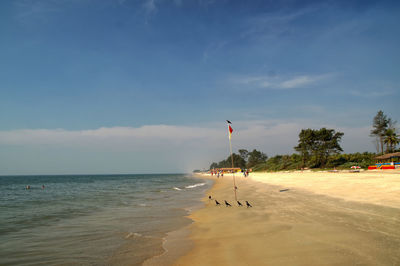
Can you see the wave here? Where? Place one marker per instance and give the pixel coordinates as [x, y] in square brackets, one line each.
[176, 188]
[196, 185]
[133, 235]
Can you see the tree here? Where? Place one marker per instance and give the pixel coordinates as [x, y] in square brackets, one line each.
[244, 159]
[318, 143]
[380, 124]
[214, 165]
[328, 144]
[256, 157]
[244, 154]
[238, 161]
[391, 139]
[306, 137]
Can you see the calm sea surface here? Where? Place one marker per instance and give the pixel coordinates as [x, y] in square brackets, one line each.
[92, 219]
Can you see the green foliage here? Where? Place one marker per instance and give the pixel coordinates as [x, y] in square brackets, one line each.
[244, 154]
[295, 162]
[280, 162]
[238, 161]
[383, 129]
[242, 160]
[345, 161]
[214, 165]
[256, 157]
[317, 149]
[379, 124]
[306, 137]
[315, 146]
[391, 139]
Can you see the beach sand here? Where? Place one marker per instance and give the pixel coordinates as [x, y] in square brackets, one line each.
[299, 218]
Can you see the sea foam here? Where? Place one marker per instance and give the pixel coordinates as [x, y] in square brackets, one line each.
[196, 185]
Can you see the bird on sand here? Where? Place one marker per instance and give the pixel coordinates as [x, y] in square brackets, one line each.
[227, 204]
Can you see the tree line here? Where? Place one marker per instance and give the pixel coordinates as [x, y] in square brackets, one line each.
[295, 162]
[243, 160]
[318, 148]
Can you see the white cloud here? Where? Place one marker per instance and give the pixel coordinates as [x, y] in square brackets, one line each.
[103, 135]
[279, 82]
[153, 148]
[298, 82]
[256, 133]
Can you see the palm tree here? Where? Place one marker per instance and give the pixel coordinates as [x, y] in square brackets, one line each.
[391, 139]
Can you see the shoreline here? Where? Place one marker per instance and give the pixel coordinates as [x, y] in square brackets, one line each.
[177, 243]
[308, 220]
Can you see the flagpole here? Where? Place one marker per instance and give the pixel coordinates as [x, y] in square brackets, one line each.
[233, 172]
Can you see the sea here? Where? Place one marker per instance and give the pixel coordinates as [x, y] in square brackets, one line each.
[93, 219]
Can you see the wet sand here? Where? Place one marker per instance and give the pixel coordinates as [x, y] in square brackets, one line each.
[313, 219]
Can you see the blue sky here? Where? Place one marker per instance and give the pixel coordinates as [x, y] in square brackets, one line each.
[81, 80]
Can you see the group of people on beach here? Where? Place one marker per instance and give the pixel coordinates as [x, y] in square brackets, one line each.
[217, 173]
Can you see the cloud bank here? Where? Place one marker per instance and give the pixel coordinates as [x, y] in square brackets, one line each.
[151, 148]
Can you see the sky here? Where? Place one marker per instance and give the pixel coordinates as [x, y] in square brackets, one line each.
[145, 86]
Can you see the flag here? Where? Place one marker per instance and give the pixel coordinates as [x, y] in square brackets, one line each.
[230, 131]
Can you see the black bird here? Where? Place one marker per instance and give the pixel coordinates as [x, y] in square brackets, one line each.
[229, 122]
[217, 203]
[248, 204]
[227, 204]
[239, 204]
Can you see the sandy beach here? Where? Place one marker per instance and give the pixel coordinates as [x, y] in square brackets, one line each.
[299, 218]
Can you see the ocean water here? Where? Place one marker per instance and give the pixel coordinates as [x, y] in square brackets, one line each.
[92, 219]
